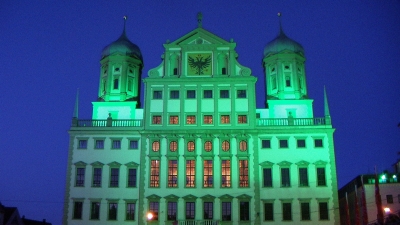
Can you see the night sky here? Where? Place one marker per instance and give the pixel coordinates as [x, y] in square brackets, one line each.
[48, 49]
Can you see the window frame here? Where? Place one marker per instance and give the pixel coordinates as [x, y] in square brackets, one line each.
[190, 94]
[174, 94]
[241, 93]
[157, 94]
[224, 94]
[207, 94]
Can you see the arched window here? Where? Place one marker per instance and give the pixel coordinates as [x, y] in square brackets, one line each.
[156, 146]
[208, 146]
[226, 146]
[243, 146]
[190, 146]
[173, 146]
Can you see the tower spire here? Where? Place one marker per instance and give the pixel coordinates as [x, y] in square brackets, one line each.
[280, 23]
[125, 18]
[199, 19]
[75, 115]
[326, 109]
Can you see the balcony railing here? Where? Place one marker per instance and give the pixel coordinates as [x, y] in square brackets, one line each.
[107, 123]
[293, 122]
[194, 222]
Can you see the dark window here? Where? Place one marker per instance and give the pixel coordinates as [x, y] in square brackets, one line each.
[116, 83]
[99, 144]
[283, 144]
[244, 211]
[82, 144]
[224, 94]
[207, 94]
[130, 211]
[157, 94]
[77, 210]
[190, 210]
[132, 177]
[223, 71]
[175, 71]
[267, 177]
[301, 143]
[303, 175]
[112, 211]
[323, 211]
[208, 210]
[285, 177]
[97, 177]
[318, 143]
[321, 181]
[268, 211]
[80, 177]
[226, 211]
[241, 94]
[174, 94]
[153, 208]
[133, 144]
[95, 211]
[116, 144]
[258, 115]
[265, 143]
[190, 94]
[287, 211]
[114, 177]
[305, 211]
[389, 199]
[171, 210]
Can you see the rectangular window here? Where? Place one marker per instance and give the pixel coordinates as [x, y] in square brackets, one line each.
[82, 144]
[208, 173]
[301, 143]
[190, 119]
[318, 143]
[80, 177]
[95, 211]
[303, 177]
[172, 173]
[153, 208]
[77, 210]
[116, 144]
[171, 210]
[389, 199]
[157, 94]
[97, 177]
[174, 94]
[114, 177]
[267, 177]
[190, 94]
[156, 120]
[265, 143]
[154, 173]
[226, 211]
[225, 119]
[133, 144]
[112, 211]
[242, 119]
[285, 177]
[305, 211]
[130, 211]
[268, 211]
[208, 119]
[226, 173]
[173, 120]
[283, 143]
[208, 210]
[321, 181]
[243, 173]
[323, 211]
[224, 93]
[190, 173]
[190, 210]
[99, 144]
[207, 94]
[244, 211]
[241, 94]
[287, 211]
[132, 177]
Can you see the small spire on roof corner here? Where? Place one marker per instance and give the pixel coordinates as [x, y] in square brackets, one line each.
[199, 19]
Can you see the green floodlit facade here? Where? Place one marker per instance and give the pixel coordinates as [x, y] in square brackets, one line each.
[199, 151]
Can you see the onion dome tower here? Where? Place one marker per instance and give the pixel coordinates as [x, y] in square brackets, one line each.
[121, 70]
[283, 64]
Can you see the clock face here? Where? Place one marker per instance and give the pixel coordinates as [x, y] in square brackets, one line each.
[199, 64]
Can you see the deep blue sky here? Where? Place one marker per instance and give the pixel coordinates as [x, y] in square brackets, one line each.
[48, 49]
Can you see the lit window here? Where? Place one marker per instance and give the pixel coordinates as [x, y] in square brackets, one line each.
[190, 173]
[190, 210]
[285, 177]
[116, 144]
[268, 211]
[173, 146]
[153, 208]
[323, 211]
[191, 119]
[114, 177]
[244, 211]
[208, 208]
[301, 143]
[207, 94]
[172, 208]
[226, 173]
[287, 211]
[208, 146]
[265, 143]
[156, 120]
[241, 94]
[97, 177]
[77, 210]
[173, 120]
[305, 211]
[112, 211]
[226, 211]
[190, 146]
[133, 144]
[225, 119]
[224, 94]
[243, 146]
[155, 146]
[157, 94]
[82, 144]
[225, 146]
[243, 173]
[80, 177]
[267, 177]
[283, 144]
[95, 211]
[208, 173]
[132, 177]
[130, 211]
[208, 119]
[318, 143]
[242, 119]
[303, 177]
[190, 94]
[172, 173]
[154, 173]
[99, 144]
[321, 180]
[174, 94]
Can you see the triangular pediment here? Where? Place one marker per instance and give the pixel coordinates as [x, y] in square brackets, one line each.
[171, 197]
[208, 197]
[188, 197]
[199, 36]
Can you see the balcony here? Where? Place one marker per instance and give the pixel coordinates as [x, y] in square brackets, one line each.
[293, 122]
[194, 222]
[107, 123]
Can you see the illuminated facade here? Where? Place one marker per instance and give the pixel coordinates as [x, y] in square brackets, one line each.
[199, 151]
